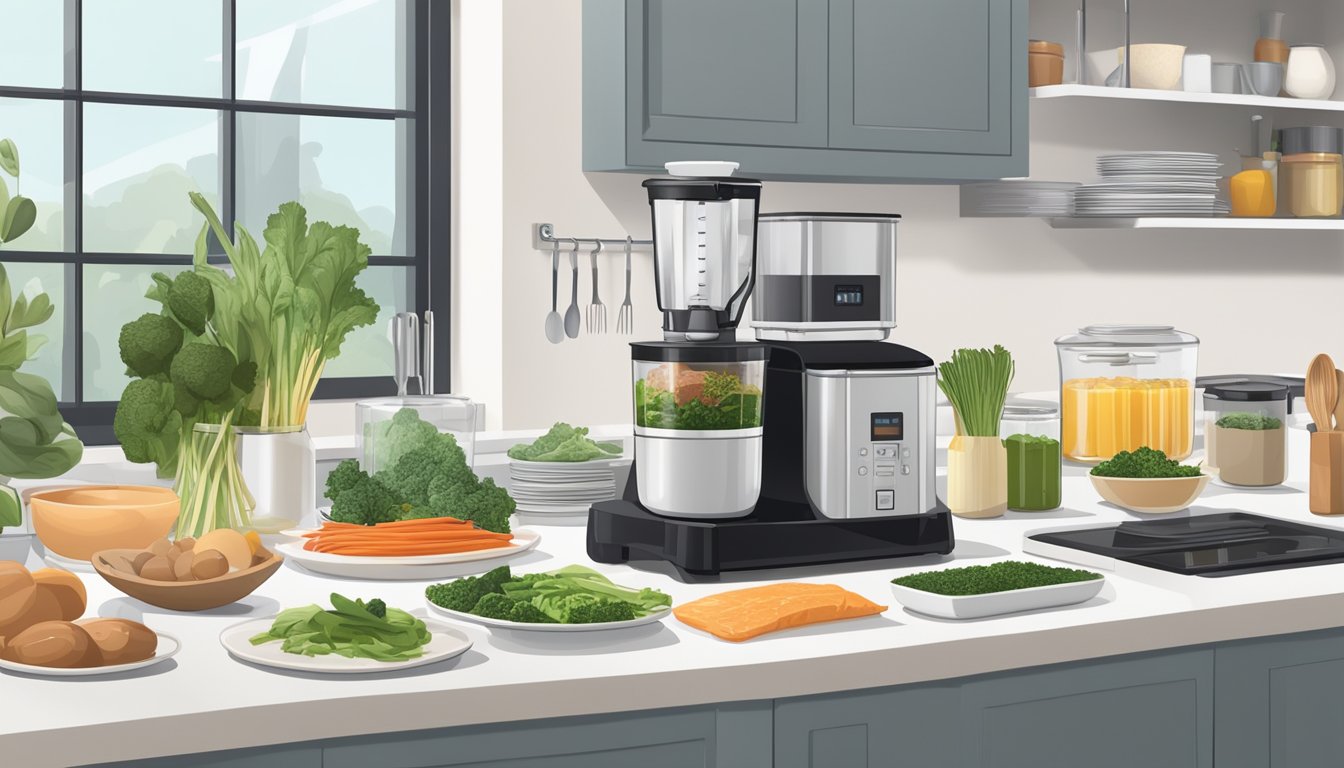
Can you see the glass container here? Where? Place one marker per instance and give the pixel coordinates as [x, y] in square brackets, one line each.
[1270, 45]
[826, 276]
[1123, 387]
[704, 245]
[1030, 435]
[210, 483]
[1245, 435]
[385, 427]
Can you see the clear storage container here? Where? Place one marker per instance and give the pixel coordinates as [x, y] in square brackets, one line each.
[1030, 433]
[1245, 435]
[387, 427]
[1123, 387]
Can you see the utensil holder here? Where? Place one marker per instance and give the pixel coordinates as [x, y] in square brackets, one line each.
[1326, 495]
[977, 477]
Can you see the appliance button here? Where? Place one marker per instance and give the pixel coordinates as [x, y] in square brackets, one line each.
[863, 451]
[883, 452]
[886, 500]
[905, 469]
[886, 471]
[905, 453]
[863, 471]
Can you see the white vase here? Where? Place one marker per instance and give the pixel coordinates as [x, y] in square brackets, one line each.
[1310, 73]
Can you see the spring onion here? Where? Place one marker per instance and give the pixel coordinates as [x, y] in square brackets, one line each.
[976, 383]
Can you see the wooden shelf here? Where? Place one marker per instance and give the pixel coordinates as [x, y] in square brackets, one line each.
[1164, 222]
[1147, 94]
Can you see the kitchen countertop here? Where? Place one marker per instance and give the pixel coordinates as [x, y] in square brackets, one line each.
[204, 700]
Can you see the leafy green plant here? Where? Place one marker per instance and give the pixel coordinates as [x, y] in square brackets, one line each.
[1250, 421]
[17, 213]
[1145, 462]
[564, 443]
[976, 384]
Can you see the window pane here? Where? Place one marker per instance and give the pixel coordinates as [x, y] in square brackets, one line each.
[37, 127]
[33, 57]
[30, 280]
[320, 52]
[343, 170]
[139, 165]
[167, 47]
[114, 294]
[367, 351]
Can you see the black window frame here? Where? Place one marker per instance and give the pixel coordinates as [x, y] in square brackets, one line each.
[428, 181]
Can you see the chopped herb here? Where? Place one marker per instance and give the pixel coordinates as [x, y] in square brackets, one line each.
[1145, 462]
[996, 577]
[1251, 421]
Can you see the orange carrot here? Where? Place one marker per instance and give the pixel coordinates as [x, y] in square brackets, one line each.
[424, 536]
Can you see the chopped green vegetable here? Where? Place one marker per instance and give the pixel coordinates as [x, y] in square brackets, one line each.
[995, 577]
[1251, 421]
[564, 443]
[1033, 472]
[571, 595]
[976, 383]
[1144, 462]
[351, 628]
[737, 407]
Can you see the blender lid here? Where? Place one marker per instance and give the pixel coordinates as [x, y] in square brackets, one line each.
[704, 189]
[1127, 336]
[829, 216]
[1247, 392]
[698, 352]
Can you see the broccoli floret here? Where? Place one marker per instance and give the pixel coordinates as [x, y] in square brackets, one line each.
[204, 370]
[191, 301]
[494, 605]
[587, 609]
[485, 504]
[461, 595]
[367, 502]
[147, 426]
[497, 577]
[403, 433]
[375, 607]
[528, 613]
[148, 344]
[412, 474]
[345, 476]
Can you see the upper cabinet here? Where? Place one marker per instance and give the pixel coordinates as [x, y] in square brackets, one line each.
[847, 90]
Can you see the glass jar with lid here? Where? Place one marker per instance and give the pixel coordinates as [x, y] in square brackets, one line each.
[1245, 438]
[388, 427]
[1030, 432]
[1123, 387]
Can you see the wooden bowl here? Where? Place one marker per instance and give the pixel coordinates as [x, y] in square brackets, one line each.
[186, 595]
[75, 522]
[1152, 495]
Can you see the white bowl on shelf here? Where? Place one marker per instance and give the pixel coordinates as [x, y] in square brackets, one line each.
[701, 167]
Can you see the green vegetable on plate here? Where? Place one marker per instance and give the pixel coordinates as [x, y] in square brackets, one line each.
[1145, 463]
[1248, 421]
[574, 594]
[564, 443]
[352, 628]
[995, 577]
[976, 384]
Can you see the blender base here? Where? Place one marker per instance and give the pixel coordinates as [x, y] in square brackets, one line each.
[776, 535]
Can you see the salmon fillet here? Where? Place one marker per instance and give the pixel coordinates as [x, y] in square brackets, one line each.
[746, 613]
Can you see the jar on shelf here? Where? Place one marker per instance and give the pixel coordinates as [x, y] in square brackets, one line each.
[1030, 433]
[1045, 63]
[1123, 387]
[384, 426]
[1311, 171]
[1245, 433]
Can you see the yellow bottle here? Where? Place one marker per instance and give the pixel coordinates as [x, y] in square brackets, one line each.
[1252, 193]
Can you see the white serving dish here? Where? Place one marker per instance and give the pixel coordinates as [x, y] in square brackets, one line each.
[167, 648]
[418, 567]
[517, 625]
[445, 643]
[996, 603]
[718, 168]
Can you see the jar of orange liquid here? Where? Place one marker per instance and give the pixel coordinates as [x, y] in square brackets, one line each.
[1123, 387]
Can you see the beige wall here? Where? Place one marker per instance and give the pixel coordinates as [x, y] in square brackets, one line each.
[1260, 301]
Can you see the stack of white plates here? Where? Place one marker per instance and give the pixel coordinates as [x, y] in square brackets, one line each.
[1018, 198]
[1153, 184]
[552, 490]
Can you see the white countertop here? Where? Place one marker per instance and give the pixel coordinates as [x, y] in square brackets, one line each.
[203, 700]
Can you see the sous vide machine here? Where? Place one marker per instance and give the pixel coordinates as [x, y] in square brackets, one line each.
[813, 445]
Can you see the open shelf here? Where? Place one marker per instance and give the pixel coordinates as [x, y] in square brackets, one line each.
[1172, 222]
[1147, 94]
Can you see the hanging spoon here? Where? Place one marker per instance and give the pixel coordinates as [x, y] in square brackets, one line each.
[572, 314]
[555, 327]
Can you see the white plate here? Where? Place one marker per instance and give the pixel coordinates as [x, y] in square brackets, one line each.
[419, 567]
[517, 625]
[167, 649]
[67, 564]
[445, 642]
[567, 466]
[996, 603]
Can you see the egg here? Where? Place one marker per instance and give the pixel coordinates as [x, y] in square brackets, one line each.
[186, 545]
[160, 547]
[158, 569]
[182, 567]
[209, 564]
[229, 543]
[138, 562]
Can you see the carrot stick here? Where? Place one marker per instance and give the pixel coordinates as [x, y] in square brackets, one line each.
[410, 550]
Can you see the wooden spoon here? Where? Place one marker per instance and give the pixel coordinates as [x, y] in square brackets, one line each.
[1339, 404]
[1322, 392]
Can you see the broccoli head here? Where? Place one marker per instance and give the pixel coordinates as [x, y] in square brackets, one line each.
[461, 595]
[146, 424]
[192, 301]
[496, 577]
[375, 607]
[367, 502]
[528, 613]
[204, 370]
[494, 605]
[588, 609]
[148, 344]
[404, 432]
[410, 476]
[485, 504]
[345, 476]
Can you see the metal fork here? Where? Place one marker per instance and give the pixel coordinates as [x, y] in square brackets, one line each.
[597, 311]
[625, 321]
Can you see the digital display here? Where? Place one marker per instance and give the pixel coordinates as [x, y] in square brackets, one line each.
[887, 426]
[849, 295]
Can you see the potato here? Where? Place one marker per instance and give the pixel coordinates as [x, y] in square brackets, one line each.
[186, 544]
[18, 591]
[66, 587]
[182, 567]
[119, 563]
[120, 641]
[52, 644]
[230, 543]
[138, 562]
[209, 564]
[158, 568]
[161, 547]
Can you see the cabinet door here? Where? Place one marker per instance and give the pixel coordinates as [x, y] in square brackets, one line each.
[1281, 702]
[748, 72]
[920, 76]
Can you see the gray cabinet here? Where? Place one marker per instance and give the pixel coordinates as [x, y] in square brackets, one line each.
[848, 90]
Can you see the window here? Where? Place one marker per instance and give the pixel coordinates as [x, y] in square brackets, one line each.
[120, 109]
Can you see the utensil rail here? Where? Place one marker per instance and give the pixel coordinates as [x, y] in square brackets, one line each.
[544, 237]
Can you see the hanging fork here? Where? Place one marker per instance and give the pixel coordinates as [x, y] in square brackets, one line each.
[597, 311]
[625, 321]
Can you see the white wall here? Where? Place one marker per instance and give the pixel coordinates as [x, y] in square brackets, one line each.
[1260, 301]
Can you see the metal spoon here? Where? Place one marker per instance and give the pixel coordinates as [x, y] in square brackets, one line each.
[1322, 392]
[572, 314]
[555, 327]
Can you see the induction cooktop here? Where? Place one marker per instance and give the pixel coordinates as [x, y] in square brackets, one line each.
[1221, 544]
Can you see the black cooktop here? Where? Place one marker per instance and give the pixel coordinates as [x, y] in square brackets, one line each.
[1222, 544]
